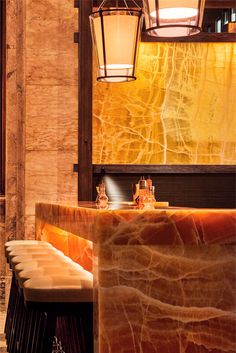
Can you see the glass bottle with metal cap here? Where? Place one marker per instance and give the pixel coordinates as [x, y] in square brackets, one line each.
[102, 199]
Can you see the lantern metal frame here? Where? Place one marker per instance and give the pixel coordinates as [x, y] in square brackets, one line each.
[100, 13]
[158, 26]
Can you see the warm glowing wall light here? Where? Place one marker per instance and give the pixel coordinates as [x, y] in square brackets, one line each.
[116, 35]
[173, 18]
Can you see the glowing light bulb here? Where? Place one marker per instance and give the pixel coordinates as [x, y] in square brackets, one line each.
[175, 13]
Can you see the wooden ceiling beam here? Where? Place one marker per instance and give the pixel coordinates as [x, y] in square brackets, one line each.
[220, 4]
[210, 4]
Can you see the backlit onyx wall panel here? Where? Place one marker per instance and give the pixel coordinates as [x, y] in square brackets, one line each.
[181, 110]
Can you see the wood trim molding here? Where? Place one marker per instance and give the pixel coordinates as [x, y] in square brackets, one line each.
[210, 4]
[201, 37]
[162, 169]
[220, 4]
[85, 103]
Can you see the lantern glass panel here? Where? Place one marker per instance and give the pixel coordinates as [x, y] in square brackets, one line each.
[115, 35]
[173, 18]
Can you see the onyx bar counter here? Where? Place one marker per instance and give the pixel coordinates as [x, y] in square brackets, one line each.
[164, 279]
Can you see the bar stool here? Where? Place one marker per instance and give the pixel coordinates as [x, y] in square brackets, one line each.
[19, 254]
[37, 268]
[53, 256]
[38, 263]
[48, 271]
[24, 241]
[14, 244]
[56, 302]
[15, 248]
[21, 335]
[30, 246]
[29, 263]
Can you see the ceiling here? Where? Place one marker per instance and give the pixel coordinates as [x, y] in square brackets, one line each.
[222, 4]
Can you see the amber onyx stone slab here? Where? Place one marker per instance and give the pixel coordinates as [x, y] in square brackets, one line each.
[180, 110]
[165, 280]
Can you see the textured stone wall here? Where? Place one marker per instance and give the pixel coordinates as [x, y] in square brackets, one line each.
[51, 104]
[15, 118]
[42, 74]
[181, 109]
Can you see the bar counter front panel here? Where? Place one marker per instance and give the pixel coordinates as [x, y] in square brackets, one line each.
[164, 279]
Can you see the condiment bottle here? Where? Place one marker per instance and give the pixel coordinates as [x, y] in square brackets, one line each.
[142, 191]
[149, 182]
[102, 199]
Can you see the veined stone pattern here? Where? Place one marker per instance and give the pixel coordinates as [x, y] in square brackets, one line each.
[165, 280]
[175, 299]
[181, 109]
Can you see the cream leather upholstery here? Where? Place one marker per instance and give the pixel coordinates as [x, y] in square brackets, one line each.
[58, 289]
[21, 252]
[31, 257]
[18, 244]
[48, 271]
[39, 263]
[24, 242]
[30, 246]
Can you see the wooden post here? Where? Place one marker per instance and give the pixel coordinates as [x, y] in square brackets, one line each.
[85, 103]
[3, 95]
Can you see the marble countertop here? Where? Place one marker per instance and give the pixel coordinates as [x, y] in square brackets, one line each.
[164, 279]
[128, 224]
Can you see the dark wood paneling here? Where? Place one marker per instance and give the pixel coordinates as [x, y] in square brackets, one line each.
[76, 37]
[2, 209]
[210, 17]
[209, 3]
[190, 190]
[163, 169]
[1, 135]
[218, 4]
[3, 95]
[85, 103]
[201, 37]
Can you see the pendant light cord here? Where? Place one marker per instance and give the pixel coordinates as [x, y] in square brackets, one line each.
[135, 3]
[102, 4]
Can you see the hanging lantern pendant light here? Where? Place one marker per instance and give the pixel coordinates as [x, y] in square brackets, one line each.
[173, 18]
[116, 35]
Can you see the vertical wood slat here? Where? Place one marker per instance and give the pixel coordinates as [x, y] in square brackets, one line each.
[85, 102]
[1, 110]
[3, 97]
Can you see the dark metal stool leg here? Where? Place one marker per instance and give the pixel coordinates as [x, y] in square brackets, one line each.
[11, 307]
